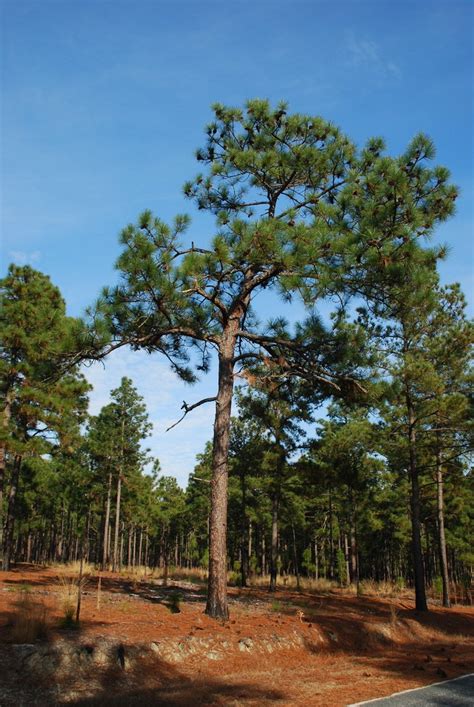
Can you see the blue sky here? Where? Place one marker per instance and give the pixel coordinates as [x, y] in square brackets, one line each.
[105, 102]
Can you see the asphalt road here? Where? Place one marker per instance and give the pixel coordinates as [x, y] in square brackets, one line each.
[451, 693]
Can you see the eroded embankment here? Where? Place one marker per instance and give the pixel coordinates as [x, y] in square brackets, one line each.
[93, 671]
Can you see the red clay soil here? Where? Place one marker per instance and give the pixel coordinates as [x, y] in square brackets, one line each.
[350, 649]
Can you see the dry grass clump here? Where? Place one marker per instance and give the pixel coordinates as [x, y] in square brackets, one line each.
[319, 586]
[68, 592]
[29, 623]
[74, 568]
[370, 588]
[196, 575]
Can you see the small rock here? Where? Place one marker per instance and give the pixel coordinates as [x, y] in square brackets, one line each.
[245, 644]
[213, 655]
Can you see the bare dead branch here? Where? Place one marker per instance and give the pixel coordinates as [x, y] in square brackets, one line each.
[187, 408]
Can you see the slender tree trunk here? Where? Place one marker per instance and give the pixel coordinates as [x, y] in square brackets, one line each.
[331, 538]
[105, 549]
[120, 557]
[249, 547]
[346, 558]
[353, 533]
[59, 550]
[5, 422]
[274, 545]
[28, 547]
[10, 519]
[418, 567]
[147, 545]
[79, 582]
[88, 533]
[244, 541]
[129, 546]
[134, 546]
[443, 556]
[140, 548]
[217, 583]
[115, 562]
[295, 559]
[165, 560]
[274, 552]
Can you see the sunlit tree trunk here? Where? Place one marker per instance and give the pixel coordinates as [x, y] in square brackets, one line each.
[217, 583]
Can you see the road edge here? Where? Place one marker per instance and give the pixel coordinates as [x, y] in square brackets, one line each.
[413, 689]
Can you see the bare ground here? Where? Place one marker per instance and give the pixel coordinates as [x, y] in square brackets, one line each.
[292, 648]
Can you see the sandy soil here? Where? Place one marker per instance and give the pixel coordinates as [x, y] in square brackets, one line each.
[288, 649]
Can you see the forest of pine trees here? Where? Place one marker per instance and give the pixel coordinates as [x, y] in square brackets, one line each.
[380, 487]
[321, 498]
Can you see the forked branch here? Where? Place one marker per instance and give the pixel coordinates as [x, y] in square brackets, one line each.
[187, 408]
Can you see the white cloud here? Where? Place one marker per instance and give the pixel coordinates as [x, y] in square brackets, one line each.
[163, 393]
[367, 55]
[21, 257]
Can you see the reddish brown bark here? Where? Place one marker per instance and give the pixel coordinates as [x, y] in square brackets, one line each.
[217, 583]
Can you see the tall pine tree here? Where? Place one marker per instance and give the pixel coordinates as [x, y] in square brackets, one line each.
[298, 209]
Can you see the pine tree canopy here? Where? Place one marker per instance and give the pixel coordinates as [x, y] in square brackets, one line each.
[298, 208]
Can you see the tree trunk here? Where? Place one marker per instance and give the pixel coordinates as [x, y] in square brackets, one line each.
[295, 559]
[129, 547]
[5, 421]
[115, 562]
[120, 557]
[353, 539]
[346, 558]
[147, 543]
[249, 547]
[331, 538]
[10, 519]
[418, 567]
[117, 507]
[274, 545]
[140, 549]
[59, 549]
[28, 547]
[443, 556]
[105, 550]
[217, 583]
[244, 541]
